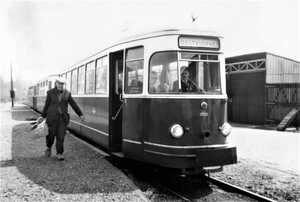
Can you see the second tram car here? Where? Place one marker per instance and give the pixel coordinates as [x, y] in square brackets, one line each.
[136, 107]
[31, 96]
[42, 87]
[37, 92]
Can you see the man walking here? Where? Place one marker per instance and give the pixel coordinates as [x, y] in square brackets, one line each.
[57, 117]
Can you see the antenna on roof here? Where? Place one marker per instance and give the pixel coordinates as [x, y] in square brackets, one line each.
[194, 16]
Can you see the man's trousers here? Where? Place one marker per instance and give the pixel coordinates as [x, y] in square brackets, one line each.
[57, 129]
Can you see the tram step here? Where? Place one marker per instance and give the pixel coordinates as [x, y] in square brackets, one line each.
[287, 120]
[119, 154]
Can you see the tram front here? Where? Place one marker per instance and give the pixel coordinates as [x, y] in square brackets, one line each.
[187, 121]
[184, 120]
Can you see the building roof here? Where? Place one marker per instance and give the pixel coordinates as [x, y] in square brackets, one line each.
[253, 56]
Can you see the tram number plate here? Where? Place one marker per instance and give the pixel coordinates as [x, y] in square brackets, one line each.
[203, 114]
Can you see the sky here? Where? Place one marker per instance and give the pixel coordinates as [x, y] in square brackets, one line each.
[40, 38]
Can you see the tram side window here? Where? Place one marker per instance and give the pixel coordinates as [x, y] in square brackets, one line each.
[134, 70]
[64, 75]
[119, 77]
[163, 72]
[204, 71]
[38, 89]
[68, 84]
[81, 78]
[101, 76]
[90, 78]
[204, 75]
[212, 75]
[74, 82]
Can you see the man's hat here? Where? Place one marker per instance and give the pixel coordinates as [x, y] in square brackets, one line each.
[60, 80]
[183, 68]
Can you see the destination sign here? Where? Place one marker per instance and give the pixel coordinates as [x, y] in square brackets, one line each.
[199, 42]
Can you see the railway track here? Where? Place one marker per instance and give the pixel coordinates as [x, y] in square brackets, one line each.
[223, 185]
[229, 187]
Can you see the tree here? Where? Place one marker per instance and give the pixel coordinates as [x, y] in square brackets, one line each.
[20, 86]
[4, 90]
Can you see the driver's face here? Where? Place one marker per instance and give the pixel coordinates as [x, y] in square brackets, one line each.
[185, 75]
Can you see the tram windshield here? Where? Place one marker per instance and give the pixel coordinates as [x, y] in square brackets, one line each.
[198, 73]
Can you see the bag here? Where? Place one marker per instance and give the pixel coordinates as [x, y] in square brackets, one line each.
[39, 130]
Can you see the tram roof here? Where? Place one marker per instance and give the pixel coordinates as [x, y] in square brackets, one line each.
[137, 34]
[133, 34]
[52, 75]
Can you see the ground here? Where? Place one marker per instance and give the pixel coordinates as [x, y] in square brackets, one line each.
[265, 179]
[27, 175]
[262, 178]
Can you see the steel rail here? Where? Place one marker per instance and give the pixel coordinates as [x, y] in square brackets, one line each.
[174, 193]
[236, 189]
[178, 195]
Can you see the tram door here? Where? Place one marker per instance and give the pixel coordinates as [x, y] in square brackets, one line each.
[115, 102]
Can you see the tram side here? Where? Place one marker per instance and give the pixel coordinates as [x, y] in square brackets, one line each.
[88, 83]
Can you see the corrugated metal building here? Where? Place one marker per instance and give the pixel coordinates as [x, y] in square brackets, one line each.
[263, 87]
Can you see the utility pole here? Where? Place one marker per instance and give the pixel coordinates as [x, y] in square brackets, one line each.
[12, 92]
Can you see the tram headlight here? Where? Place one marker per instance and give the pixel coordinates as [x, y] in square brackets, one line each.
[176, 131]
[225, 129]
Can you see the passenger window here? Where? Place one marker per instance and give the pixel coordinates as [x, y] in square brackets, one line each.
[101, 75]
[134, 70]
[68, 85]
[163, 72]
[90, 78]
[74, 82]
[81, 78]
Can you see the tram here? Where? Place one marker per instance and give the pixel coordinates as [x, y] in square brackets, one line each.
[135, 106]
[30, 100]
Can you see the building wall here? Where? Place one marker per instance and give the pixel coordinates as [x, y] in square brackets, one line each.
[275, 98]
[282, 88]
[281, 70]
[246, 87]
[247, 94]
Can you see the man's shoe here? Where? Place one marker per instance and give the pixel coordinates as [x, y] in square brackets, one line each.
[60, 157]
[48, 152]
